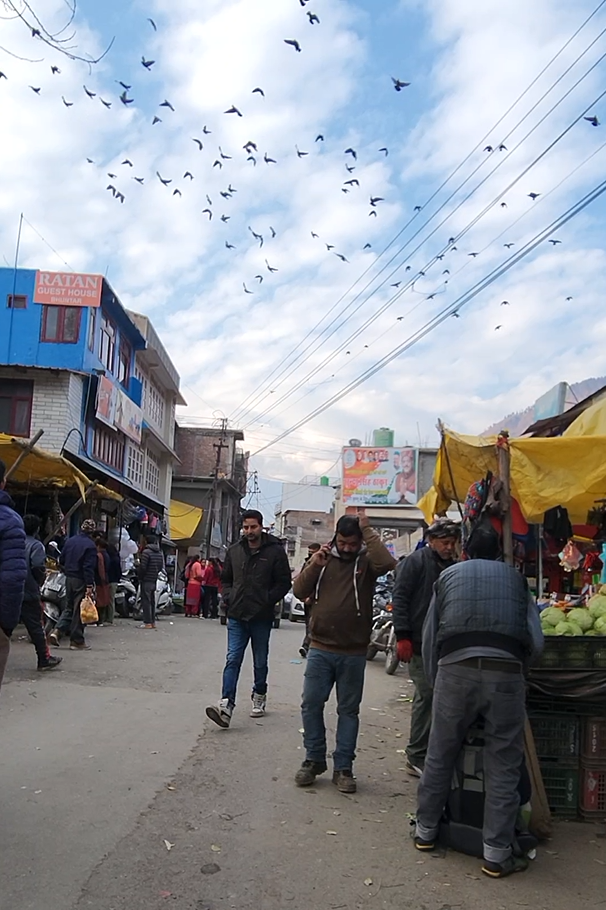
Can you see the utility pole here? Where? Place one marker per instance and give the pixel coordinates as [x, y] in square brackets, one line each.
[218, 446]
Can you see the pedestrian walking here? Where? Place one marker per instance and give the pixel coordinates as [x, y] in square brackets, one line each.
[151, 564]
[212, 577]
[13, 569]
[31, 607]
[482, 628]
[193, 593]
[79, 561]
[341, 578]
[102, 589]
[312, 548]
[255, 577]
[411, 598]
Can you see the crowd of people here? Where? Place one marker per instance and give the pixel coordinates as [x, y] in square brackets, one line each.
[202, 579]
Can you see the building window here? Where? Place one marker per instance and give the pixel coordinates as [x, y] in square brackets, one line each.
[155, 405]
[108, 447]
[107, 346]
[134, 465]
[16, 407]
[16, 302]
[61, 324]
[152, 473]
[124, 363]
[92, 328]
[291, 547]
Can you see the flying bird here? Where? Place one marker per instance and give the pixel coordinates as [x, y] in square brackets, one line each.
[225, 218]
[313, 19]
[208, 199]
[269, 160]
[253, 159]
[36, 90]
[473, 255]
[258, 91]
[106, 103]
[367, 246]
[177, 192]
[314, 235]
[293, 43]
[269, 267]
[112, 189]
[126, 87]
[569, 298]
[502, 148]
[206, 131]
[225, 194]
[399, 85]
[223, 155]
[329, 247]
[319, 137]
[188, 174]
[218, 162]
[209, 213]
[505, 303]
[3, 76]
[162, 180]
[344, 190]
[67, 103]
[273, 233]
[399, 319]
[257, 237]
[246, 291]
[55, 70]
[120, 196]
[489, 148]
[508, 245]
[153, 24]
[140, 180]
[233, 110]
[168, 105]
[147, 63]
[90, 160]
[593, 120]
[353, 153]
[353, 182]
[229, 246]
[446, 272]
[250, 147]
[198, 143]
[89, 93]
[125, 100]
[259, 278]
[503, 205]
[128, 162]
[417, 208]
[497, 327]
[373, 212]
[397, 284]
[374, 200]
[408, 268]
[456, 316]
[112, 176]
[301, 154]
[156, 120]
[384, 150]
[534, 196]
[555, 242]
[342, 257]
[350, 168]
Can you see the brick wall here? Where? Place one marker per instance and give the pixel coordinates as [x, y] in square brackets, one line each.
[195, 449]
[56, 404]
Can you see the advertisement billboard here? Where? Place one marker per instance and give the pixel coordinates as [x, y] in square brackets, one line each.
[128, 417]
[380, 476]
[68, 289]
[107, 395]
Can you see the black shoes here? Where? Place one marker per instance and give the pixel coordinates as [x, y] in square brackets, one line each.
[502, 870]
[344, 781]
[51, 663]
[307, 773]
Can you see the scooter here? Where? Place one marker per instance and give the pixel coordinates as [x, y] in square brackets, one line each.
[53, 596]
[382, 625]
[126, 597]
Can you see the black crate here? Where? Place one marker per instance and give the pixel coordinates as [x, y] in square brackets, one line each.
[555, 736]
[574, 652]
[562, 704]
[561, 780]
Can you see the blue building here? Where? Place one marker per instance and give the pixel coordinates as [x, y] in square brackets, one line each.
[96, 379]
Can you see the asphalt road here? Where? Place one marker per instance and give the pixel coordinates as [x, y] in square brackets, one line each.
[118, 794]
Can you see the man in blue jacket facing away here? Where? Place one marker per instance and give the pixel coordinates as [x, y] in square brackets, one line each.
[12, 569]
[79, 560]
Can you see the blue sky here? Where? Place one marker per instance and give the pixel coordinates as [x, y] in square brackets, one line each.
[467, 62]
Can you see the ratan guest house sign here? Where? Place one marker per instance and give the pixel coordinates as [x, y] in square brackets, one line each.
[68, 289]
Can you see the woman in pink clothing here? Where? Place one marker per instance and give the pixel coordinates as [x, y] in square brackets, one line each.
[193, 594]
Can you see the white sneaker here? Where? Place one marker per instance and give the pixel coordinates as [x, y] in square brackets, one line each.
[221, 713]
[259, 703]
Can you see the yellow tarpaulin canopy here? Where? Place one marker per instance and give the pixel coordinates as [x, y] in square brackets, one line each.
[43, 469]
[567, 471]
[183, 519]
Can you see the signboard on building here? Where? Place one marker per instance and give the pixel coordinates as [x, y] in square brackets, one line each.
[380, 476]
[107, 395]
[68, 289]
[128, 417]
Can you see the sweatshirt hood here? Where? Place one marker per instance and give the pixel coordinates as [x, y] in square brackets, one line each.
[5, 500]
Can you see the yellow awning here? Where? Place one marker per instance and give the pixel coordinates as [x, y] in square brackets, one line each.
[183, 519]
[40, 468]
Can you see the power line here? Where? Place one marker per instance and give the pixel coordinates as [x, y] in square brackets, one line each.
[462, 301]
[268, 379]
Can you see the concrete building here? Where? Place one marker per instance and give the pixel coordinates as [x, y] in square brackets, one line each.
[74, 363]
[211, 474]
[304, 515]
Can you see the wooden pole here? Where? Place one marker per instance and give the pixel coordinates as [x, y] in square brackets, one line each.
[503, 460]
[71, 511]
[27, 449]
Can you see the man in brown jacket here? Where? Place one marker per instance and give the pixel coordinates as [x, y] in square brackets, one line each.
[341, 579]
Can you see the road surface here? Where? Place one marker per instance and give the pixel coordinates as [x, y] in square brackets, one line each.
[118, 794]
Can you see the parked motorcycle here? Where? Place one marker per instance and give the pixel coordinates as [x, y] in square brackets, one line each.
[126, 597]
[53, 596]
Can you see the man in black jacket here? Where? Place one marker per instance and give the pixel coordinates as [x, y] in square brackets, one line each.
[12, 569]
[255, 577]
[411, 598]
[31, 608]
[79, 561]
[151, 564]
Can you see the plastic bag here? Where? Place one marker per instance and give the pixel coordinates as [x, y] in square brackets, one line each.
[88, 610]
[570, 557]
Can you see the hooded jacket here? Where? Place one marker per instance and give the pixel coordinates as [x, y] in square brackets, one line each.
[13, 567]
[413, 592]
[151, 564]
[342, 594]
[255, 580]
[35, 560]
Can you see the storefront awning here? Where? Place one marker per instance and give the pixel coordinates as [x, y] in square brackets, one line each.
[183, 519]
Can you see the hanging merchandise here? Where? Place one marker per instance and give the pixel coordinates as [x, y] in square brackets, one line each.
[570, 557]
[557, 525]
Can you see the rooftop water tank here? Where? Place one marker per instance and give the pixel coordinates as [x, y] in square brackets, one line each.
[383, 437]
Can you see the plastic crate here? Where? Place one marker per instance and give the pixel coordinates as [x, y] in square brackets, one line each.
[574, 652]
[555, 736]
[562, 787]
[593, 792]
[562, 704]
[594, 739]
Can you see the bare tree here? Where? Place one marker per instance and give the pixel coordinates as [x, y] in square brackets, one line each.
[61, 39]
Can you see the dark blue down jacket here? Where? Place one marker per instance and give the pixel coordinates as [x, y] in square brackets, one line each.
[13, 567]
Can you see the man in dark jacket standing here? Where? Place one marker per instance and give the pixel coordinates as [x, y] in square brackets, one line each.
[151, 563]
[340, 578]
[411, 598]
[31, 608]
[482, 628]
[256, 575]
[13, 569]
[79, 561]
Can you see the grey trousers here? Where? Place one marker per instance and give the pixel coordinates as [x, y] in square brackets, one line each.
[461, 695]
[420, 718]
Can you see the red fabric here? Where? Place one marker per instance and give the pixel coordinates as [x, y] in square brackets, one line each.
[405, 650]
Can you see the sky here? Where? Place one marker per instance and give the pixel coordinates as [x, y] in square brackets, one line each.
[267, 335]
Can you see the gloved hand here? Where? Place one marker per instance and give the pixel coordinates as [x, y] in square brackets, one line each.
[404, 650]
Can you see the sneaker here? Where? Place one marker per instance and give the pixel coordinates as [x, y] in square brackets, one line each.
[51, 663]
[259, 703]
[344, 781]
[421, 844]
[54, 638]
[413, 770]
[502, 870]
[307, 773]
[79, 646]
[220, 714]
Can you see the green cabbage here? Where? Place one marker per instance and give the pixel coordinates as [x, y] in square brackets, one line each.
[582, 617]
[600, 625]
[553, 616]
[550, 630]
[563, 628]
[597, 606]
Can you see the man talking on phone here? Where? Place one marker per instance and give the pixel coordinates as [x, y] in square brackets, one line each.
[340, 580]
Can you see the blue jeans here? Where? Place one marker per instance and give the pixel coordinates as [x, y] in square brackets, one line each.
[239, 633]
[323, 670]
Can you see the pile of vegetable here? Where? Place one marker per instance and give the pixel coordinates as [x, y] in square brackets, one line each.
[589, 620]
